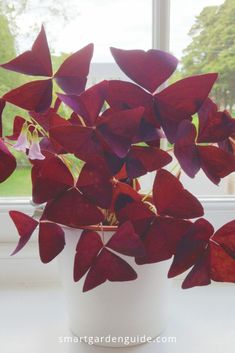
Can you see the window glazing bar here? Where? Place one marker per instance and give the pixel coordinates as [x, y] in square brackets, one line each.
[161, 24]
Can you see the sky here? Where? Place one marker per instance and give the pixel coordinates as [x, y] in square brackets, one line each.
[121, 23]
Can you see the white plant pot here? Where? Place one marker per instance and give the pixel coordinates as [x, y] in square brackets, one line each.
[117, 311]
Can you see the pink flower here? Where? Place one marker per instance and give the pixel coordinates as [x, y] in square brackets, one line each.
[22, 142]
[34, 149]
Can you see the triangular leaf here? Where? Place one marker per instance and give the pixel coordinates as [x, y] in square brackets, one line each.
[149, 69]
[88, 247]
[95, 183]
[185, 149]
[191, 247]
[35, 96]
[82, 213]
[51, 241]
[108, 267]
[161, 239]
[126, 241]
[181, 100]
[200, 274]
[72, 74]
[88, 105]
[51, 179]
[141, 160]
[25, 226]
[36, 62]
[172, 199]
[216, 163]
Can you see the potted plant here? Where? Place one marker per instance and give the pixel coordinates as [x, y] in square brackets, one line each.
[85, 170]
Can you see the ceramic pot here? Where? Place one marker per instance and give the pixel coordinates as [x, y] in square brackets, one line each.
[115, 312]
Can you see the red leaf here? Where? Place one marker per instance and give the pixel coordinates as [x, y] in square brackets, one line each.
[225, 236]
[128, 209]
[95, 183]
[73, 210]
[51, 179]
[138, 212]
[118, 129]
[50, 146]
[75, 119]
[36, 62]
[114, 131]
[181, 100]
[172, 199]
[185, 149]
[108, 267]
[25, 226]
[76, 139]
[200, 273]
[51, 241]
[125, 190]
[148, 132]
[126, 241]
[88, 105]
[17, 127]
[2, 106]
[149, 69]
[49, 119]
[141, 160]
[227, 146]
[72, 74]
[191, 247]
[215, 162]
[222, 264]
[162, 238]
[56, 120]
[114, 163]
[123, 95]
[214, 126]
[7, 162]
[35, 96]
[57, 104]
[217, 262]
[88, 247]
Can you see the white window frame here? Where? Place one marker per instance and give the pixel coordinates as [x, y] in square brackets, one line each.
[26, 267]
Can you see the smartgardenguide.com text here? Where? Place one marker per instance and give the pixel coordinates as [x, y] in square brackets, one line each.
[116, 339]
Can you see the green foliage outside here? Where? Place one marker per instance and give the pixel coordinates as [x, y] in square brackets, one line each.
[19, 184]
[212, 49]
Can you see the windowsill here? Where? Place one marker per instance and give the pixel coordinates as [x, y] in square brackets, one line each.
[201, 319]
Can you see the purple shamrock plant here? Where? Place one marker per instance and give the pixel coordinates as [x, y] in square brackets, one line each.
[85, 167]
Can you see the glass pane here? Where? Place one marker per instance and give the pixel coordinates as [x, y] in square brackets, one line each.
[70, 25]
[202, 36]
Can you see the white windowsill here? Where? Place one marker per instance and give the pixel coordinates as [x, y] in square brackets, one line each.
[201, 319]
